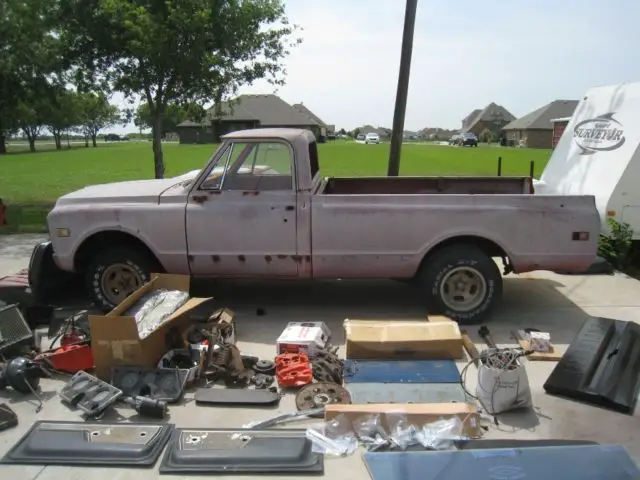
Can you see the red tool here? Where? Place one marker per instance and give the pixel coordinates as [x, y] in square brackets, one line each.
[293, 370]
[69, 358]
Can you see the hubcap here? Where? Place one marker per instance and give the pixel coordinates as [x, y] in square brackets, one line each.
[463, 289]
[119, 281]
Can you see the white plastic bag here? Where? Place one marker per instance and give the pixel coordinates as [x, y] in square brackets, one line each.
[501, 390]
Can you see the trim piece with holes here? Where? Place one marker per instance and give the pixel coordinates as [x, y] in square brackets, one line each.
[209, 451]
[90, 443]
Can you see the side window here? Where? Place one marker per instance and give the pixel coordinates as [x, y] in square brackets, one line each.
[230, 156]
[261, 166]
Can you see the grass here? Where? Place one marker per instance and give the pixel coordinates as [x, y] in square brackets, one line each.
[30, 183]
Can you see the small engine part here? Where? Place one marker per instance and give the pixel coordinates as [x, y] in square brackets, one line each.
[325, 371]
[265, 366]
[22, 375]
[147, 407]
[249, 362]
[316, 395]
[261, 380]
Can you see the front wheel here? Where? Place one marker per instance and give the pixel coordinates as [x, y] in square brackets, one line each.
[461, 282]
[116, 273]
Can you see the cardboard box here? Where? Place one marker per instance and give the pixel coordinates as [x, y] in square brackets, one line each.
[417, 414]
[114, 337]
[303, 337]
[399, 339]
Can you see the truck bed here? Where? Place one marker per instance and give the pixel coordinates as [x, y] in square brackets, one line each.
[426, 185]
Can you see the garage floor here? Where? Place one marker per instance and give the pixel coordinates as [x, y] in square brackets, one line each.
[554, 303]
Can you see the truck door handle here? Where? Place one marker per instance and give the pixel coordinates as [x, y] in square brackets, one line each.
[289, 208]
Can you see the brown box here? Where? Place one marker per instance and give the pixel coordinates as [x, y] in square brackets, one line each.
[417, 414]
[115, 339]
[401, 339]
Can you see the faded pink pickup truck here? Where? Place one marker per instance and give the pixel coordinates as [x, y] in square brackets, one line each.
[260, 209]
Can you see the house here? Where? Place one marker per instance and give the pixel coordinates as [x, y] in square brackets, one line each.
[409, 135]
[382, 132]
[330, 130]
[245, 112]
[535, 130]
[492, 117]
[466, 121]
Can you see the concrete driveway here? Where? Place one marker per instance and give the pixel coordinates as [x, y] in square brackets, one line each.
[559, 304]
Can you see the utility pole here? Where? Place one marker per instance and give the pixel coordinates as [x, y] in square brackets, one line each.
[403, 88]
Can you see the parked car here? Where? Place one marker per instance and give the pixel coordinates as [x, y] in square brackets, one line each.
[372, 138]
[468, 139]
[454, 139]
[361, 137]
[306, 226]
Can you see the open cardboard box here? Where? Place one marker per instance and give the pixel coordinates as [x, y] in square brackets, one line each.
[403, 339]
[114, 337]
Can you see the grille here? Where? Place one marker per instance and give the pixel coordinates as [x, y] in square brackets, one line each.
[13, 328]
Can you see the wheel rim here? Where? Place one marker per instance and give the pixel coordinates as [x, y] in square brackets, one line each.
[463, 289]
[119, 281]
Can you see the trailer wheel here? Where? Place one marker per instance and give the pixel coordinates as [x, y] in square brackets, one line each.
[115, 273]
[461, 282]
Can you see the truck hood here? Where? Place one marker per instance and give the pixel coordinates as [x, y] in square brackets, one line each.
[138, 191]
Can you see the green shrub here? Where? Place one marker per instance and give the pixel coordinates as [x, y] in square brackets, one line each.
[616, 247]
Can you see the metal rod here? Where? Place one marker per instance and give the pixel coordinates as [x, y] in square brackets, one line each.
[499, 166]
[403, 88]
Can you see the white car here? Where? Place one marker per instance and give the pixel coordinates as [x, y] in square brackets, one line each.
[372, 138]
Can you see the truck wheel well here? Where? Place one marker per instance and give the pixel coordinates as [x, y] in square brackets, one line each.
[489, 247]
[103, 240]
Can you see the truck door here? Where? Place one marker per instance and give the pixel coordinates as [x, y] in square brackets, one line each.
[241, 218]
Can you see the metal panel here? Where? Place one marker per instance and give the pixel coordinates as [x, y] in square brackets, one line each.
[13, 328]
[601, 366]
[401, 371]
[595, 462]
[277, 451]
[406, 392]
[90, 443]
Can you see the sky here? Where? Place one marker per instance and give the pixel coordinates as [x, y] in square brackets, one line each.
[521, 54]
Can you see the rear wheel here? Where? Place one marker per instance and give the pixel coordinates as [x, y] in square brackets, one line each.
[461, 282]
[116, 273]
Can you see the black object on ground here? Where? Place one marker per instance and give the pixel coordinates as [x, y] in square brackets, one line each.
[165, 384]
[273, 451]
[601, 366]
[46, 280]
[89, 394]
[221, 396]
[147, 407]
[317, 395]
[90, 443]
[265, 366]
[327, 366]
[260, 380]
[596, 462]
[22, 375]
[8, 418]
[14, 330]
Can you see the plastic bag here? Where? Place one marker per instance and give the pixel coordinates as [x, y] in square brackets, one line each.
[441, 434]
[402, 434]
[370, 432]
[333, 438]
[154, 308]
[500, 391]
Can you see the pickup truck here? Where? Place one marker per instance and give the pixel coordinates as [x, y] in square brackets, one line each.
[261, 209]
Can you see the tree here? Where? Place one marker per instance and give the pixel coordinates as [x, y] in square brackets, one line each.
[29, 63]
[175, 51]
[174, 114]
[95, 114]
[62, 113]
[342, 131]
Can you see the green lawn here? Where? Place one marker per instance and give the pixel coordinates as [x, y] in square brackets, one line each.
[30, 183]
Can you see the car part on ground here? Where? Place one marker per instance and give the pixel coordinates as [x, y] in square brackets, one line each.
[470, 348]
[485, 334]
[407, 393]
[293, 370]
[82, 443]
[260, 380]
[265, 366]
[401, 371]
[319, 395]
[225, 363]
[210, 451]
[286, 417]
[8, 418]
[147, 407]
[21, 374]
[236, 396]
[166, 384]
[327, 366]
[601, 366]
[14, 330]
[89, 394]
[68, 358]
[610, 462]
[461, 282]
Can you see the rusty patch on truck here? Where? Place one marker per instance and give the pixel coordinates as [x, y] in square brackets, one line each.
[297, 258]
[215, 258]
[281, 257]
[268, 258]
[242, 258]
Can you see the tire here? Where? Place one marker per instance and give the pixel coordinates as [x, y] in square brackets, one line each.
[479, 276]
[132, 266]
